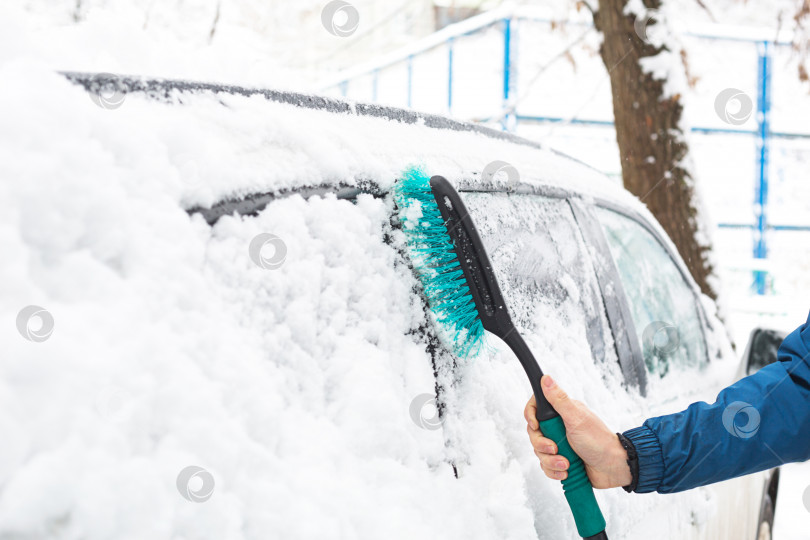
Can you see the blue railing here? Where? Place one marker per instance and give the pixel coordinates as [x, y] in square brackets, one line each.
[509, 76]
[506, 18]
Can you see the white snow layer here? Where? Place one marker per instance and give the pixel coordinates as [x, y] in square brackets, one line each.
[290, 386]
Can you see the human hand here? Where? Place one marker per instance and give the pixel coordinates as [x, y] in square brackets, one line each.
[604, 457]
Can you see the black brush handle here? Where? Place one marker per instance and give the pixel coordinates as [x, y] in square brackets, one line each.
[524, 355]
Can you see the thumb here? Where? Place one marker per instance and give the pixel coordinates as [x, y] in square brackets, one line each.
[558, 398]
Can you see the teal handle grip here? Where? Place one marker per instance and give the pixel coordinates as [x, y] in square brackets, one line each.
[578, 490]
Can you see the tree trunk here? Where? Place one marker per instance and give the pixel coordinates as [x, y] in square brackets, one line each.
[651, 141]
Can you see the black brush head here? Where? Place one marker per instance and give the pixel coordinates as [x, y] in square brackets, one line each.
[473, 259]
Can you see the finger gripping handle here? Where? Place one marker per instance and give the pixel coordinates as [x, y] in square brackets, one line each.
[578, 490]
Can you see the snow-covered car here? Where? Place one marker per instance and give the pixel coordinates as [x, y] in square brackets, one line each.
[325, 404]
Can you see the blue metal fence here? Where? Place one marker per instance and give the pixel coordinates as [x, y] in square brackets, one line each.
[763, 136]
[509, 121]
[511, 117]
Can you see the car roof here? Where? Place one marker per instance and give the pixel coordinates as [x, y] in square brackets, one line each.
[376, 143]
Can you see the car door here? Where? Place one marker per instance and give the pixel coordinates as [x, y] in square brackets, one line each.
[671, 333]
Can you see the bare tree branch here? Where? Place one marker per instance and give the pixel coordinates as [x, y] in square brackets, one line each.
[707, 10]
[587, 5]
[801, 38]
[214, 24]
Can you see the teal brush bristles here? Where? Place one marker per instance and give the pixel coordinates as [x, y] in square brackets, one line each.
[435, 261]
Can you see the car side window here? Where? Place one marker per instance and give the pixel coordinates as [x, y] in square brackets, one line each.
[662, 303]
[544, 270]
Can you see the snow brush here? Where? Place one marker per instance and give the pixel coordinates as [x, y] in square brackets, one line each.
[464, 296]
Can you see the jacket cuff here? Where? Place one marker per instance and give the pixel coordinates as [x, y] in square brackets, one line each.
[650, 458]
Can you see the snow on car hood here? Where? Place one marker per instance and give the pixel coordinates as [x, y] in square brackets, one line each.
[290, 386]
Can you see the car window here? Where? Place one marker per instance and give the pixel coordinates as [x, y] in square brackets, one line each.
[662, 304]
[543, 267]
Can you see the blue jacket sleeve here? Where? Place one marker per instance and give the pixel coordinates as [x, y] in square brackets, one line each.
[759, 422]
